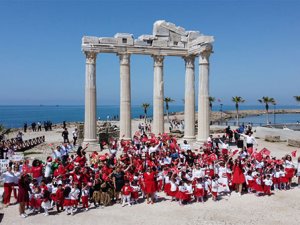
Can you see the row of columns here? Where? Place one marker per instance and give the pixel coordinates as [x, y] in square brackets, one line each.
[90, 135]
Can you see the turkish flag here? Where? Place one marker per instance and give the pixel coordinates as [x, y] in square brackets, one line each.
[234, 152]
[257, 155]
[265, 151]
[294, 153]
[250, 150]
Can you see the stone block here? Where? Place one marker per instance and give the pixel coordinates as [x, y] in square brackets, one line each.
[146, 37]
[141, 43]
[184, 39]
[201, 40]
[294, 143]
[160, 43]
[172, 27]
[159, 30]
[124, 38]
[162, 38]
[176, 44]
[272, 138]
[175, 37]
[90, 40]
[192, 35]
[162, 28]
[107, 40]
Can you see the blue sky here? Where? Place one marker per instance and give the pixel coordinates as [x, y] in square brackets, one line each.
[256, 49]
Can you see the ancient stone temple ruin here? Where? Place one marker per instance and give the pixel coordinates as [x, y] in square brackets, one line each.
[167, 39]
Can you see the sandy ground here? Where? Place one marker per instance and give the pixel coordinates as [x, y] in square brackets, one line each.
[281, 208]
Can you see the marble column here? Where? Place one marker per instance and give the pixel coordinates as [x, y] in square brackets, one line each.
[125, 97]
[203, 97]
[189, 98]
[90, 113]
[158, 96]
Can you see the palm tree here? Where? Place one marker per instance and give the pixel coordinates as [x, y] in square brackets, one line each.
[266, 100]
[145, 106]
[297, 98]
[211, 100]
[237, 100]
[167, 101]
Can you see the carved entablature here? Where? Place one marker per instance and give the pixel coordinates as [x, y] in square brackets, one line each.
[167, 39]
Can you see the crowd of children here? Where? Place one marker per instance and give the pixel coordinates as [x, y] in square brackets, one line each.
[146, 167]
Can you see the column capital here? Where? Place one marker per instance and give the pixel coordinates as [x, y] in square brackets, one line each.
[189, 61]
[124, 58]
[205, 52]
[90, 57]
[158, 60]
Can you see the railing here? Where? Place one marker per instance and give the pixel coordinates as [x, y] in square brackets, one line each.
[231, 123]
[24, 145]
[293, 126]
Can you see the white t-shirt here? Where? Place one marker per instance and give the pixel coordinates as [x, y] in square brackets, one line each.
[268, 182]
[8, 177]
[214, 186]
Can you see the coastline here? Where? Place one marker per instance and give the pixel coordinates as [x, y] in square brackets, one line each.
[231, 114]
[216, 116]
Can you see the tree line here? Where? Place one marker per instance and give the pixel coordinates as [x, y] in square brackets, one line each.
[236, 99]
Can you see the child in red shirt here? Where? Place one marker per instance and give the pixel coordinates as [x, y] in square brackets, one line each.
[126, 193]
[59, 195]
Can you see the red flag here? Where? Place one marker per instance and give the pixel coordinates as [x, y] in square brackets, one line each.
[258, 156]
[234, 152]
[250, 150]
[294, 153]
[265, 151]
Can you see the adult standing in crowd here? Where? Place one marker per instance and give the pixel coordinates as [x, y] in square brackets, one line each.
[250, 140]
[9, 180]
[118, 181]
[23, 196]
[150, 184]
[65, 135]
[238, 176]
[75, 136]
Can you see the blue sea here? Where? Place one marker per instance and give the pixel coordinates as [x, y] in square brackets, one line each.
[16, 116]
